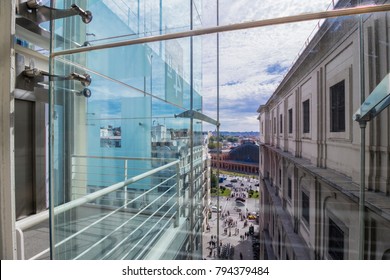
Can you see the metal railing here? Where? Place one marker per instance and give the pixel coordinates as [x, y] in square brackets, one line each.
[170, 214]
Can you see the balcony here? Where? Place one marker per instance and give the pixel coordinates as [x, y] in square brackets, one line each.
[136, 218]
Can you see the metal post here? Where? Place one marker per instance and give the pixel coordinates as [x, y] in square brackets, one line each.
[362, 142]
[362, 189]
[161, 23]
[151, 72]
[8, 246]
[177, 216]
[218, 151]
[191, 185]
[138, 17]
[125, 189]
[231, 27]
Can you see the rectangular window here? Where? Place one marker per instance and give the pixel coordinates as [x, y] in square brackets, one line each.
[290, 121]
[306, 116]
[280, 177]
[337, 107]
[289, 188]
[336, 241]
[305, 208]
[281, 123]
[274, 125]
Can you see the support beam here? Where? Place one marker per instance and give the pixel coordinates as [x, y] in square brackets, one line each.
[233, 27]
[7, 84]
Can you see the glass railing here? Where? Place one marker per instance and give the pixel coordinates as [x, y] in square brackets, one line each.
[111, 105]
[121, 221]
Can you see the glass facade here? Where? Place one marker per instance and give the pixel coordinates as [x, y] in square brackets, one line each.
[127, 162]
[125, 170]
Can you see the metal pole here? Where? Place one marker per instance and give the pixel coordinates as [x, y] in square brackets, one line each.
[8, 243]
[232, 27]
[191, 191]
[362, 189]
[362, 142]
[177, 216]
[161, 23]
[125, 190]
[218, 151]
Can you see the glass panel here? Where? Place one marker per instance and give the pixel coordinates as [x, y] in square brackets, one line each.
[126, 172]
[115, 21]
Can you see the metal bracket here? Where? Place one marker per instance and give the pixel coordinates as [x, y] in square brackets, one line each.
[376, 102]
[198, 116]
[38, 13]
[84, 79]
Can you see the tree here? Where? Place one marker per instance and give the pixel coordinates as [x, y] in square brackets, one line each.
[232, 139]
[214, 180]
[212, 145]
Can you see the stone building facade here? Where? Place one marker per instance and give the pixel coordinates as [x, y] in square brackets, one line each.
[310, 148]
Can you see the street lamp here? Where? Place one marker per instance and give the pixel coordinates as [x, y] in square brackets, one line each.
[376, 102]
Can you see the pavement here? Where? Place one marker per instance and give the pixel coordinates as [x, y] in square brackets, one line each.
[233, 236]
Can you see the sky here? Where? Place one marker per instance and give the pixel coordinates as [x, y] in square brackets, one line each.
[253, 62]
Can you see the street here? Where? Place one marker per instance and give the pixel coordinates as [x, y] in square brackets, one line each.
[234, 226]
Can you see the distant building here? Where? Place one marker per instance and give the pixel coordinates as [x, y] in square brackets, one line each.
[242, 159]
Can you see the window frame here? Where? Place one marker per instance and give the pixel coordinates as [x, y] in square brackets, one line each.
[306, 116]
[281, 123]
[290, 121]
[305, 211]
[289, 188]
[337, 107]
[334, 251]
[274, 125]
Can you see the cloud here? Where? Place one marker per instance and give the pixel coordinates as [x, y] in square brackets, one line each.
[254, 61]
[276, 68]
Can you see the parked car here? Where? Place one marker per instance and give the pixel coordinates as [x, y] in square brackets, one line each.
[215, 209]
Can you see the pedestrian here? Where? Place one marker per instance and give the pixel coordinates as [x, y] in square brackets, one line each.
[241, 256]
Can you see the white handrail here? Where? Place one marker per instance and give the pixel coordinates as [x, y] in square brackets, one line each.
[232, 27]
[149, 231]
[139, 226]
[95, 195]
[44, 215]
[122, 225]
[113, 212]
[36, 219]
